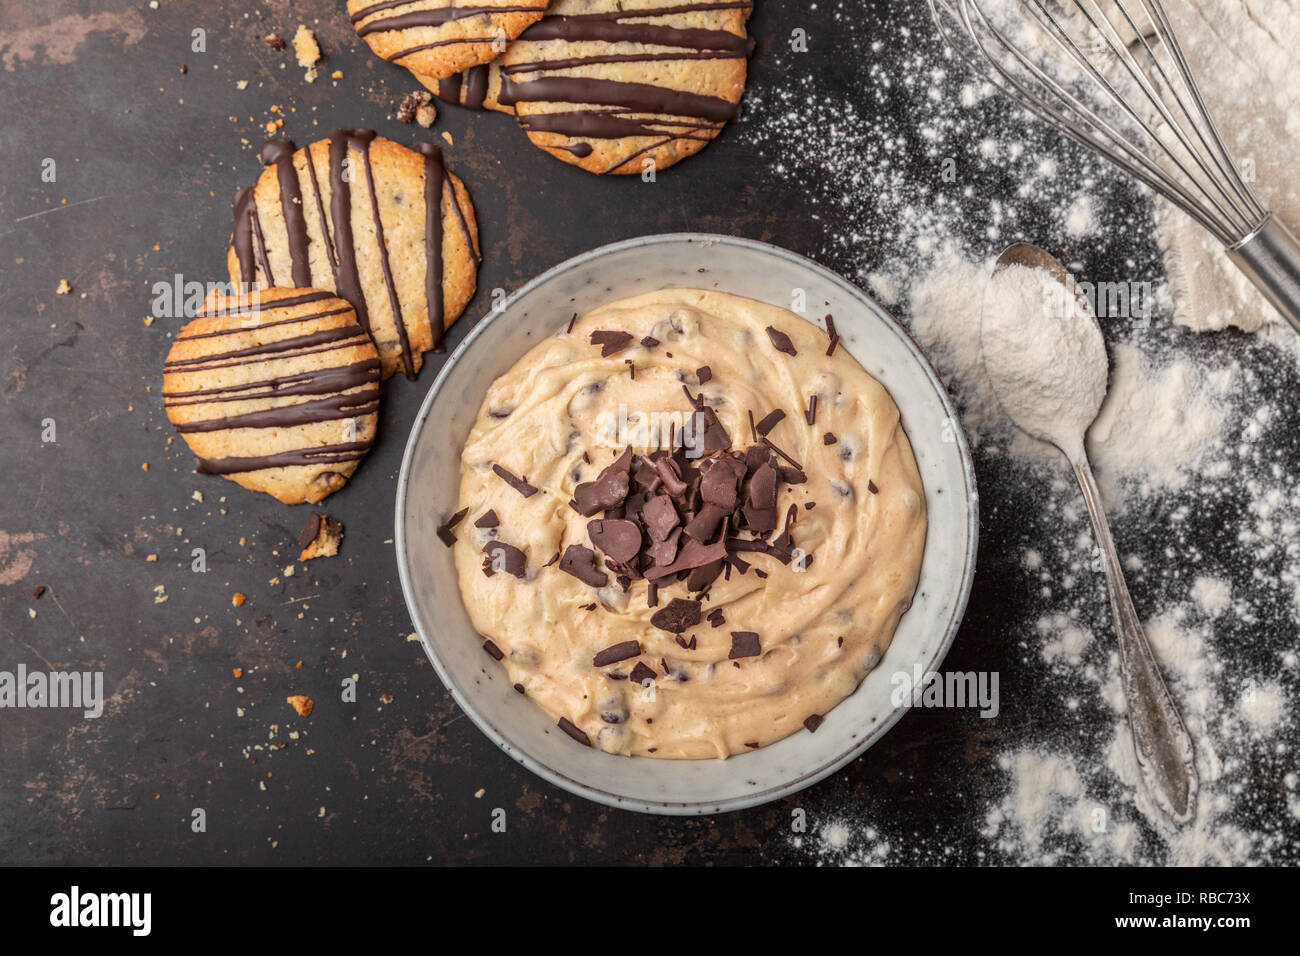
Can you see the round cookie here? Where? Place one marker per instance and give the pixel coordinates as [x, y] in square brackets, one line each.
[332, 216]
[438, 37]
[277, 391]
[477, 88]
[620, 86]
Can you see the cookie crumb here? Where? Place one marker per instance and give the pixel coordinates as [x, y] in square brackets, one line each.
[320, 538]
[301, 703]
[238, 672]
[307, 50]
[273, 41]
[64, 287]
[238, 599]
[410, 104]
[447, 137]
[336, 75]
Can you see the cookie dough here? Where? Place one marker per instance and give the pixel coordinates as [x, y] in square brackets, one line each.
[387, 228]
[277, 391]
[701, 603]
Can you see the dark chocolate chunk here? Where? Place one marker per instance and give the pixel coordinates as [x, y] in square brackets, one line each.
[312, 529]
[834, 336]
[444, 530]
[679, 615]
[791, 476]
[649, 341]
[704, 374]
[705, 524]
[617, 537]
[717, 618]
[810, 416]
[609, 490]
[640, 674]
[812, 722]
[703, 576]
[703, 433]
[829, 439]
[488, 519]
[743, 644]
[660, 517]
[581, 563]
[769, 421]
[610, 342]
[615, 653]
[690, 555]
[503, 557]
[519, 688]
[519, 484]
[665, 552]
[719, 481]
[871, 487]
[574, 731]
[492, 649]
[780, 341]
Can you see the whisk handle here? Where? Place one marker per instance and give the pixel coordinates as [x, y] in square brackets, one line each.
[1270, 258]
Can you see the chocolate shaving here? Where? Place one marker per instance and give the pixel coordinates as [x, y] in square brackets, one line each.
[649, 341]
[493, 650]
[717, 618]
[488, 519]
[810, 416]
[609, 490]
[829, 439]
[812, 722]
[503, 557]
[679, 615]
[445, 534]
[574, 731]
[581, 563]
[615, 653]
[619, 538]
[769, 421]
[640, 674]
[518, 484]
[780, 341]
[743, 644]
[834, 336]
[610, 342]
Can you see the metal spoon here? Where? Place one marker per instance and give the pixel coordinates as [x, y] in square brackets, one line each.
[1165, 755]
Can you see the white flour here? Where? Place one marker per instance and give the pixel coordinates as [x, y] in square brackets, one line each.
[1043, 355]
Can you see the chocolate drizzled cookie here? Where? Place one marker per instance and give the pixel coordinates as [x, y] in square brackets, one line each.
[328, 217]
[438, 38]
[619, 86]
[277, 391]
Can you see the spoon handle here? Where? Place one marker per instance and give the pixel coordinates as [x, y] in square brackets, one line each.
[1165, 755]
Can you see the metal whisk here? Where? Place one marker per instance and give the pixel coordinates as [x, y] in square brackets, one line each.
[1113, 77]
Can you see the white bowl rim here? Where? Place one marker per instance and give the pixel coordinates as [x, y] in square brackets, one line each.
[756, 798]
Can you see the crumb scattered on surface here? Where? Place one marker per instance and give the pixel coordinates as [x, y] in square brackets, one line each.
[320, 538]
[307, 50]
[238, 599]
[274, 41]
[302, 704]
[417, 107]
[238, 672]
[64, 287]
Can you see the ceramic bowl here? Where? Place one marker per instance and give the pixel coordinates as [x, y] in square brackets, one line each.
[429, 482]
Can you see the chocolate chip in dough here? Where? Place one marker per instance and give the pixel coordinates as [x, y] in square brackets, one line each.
[677, 616]
[616, 652]
[812, 722]
[780, 341]
[574, 731]
[743, 644]
[610, 342]
[518, 484]
[580, 562]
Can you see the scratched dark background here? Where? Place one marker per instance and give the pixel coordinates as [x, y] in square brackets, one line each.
[148, 155]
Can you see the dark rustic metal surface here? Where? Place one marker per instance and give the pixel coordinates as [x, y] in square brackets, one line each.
[150, 140]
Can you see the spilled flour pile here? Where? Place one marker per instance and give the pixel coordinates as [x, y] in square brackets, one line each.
[1196, 449]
